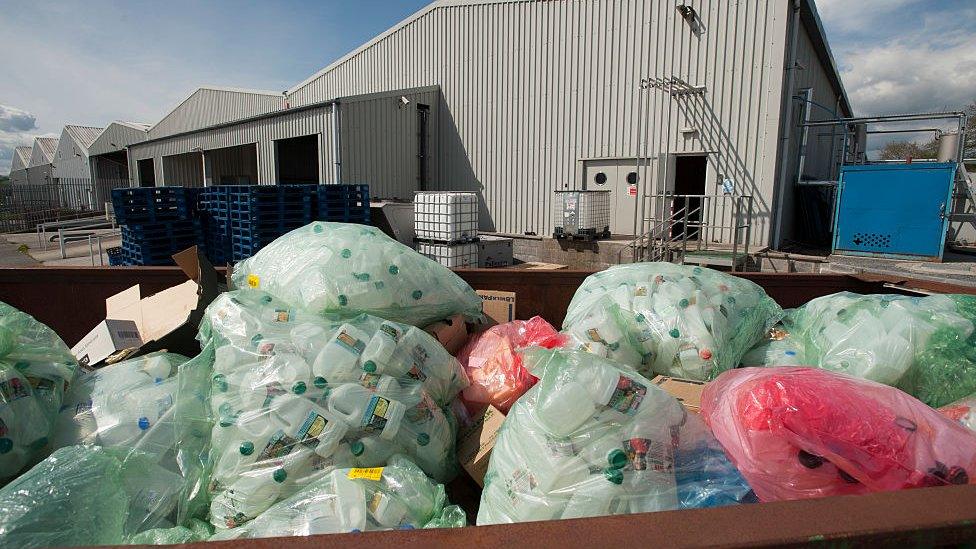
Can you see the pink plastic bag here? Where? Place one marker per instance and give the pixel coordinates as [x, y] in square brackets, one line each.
[804, 432]
[963, 411]
[494, 365]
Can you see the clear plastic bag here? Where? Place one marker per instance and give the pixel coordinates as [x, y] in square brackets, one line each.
[963, 411]
[591, 439]
[148, 412]
[347, 269]
[295, 396]
[493, 362]
[779, 348]
[35, 368]
[804, 432]
[924, 345]
[397, 496]
[676, 320]
[195, 531]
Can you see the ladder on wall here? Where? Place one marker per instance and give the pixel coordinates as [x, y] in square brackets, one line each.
[966, 192]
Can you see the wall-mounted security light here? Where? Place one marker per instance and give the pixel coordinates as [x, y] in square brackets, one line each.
[404, 101]
[691, 17]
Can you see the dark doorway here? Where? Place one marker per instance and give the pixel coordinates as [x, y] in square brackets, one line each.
[689, 179]
[423, 115]
[298, 159]
[147, 173]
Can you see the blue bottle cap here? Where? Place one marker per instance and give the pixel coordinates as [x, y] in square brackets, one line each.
[144, 423]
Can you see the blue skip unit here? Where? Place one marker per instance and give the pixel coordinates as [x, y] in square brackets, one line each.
[895, 211]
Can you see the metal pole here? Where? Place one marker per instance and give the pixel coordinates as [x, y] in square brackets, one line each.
[735, 233]
[336, 145]
[61, 243]
[879, 119]
[101, 260]
[91, 251]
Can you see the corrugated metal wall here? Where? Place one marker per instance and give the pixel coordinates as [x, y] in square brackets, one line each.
[208, 107]
[40, 175]
[263, 132]
[820, 161]
[531, 88]
[379, 142]
[116, 137]
[18, 177]
[183, 170]
[71, 161]
[232, 165]
[21, 158]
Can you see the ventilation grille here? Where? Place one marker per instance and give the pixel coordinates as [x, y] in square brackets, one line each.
[871, 240]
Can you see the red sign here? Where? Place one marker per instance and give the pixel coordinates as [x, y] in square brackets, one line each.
[632, 190]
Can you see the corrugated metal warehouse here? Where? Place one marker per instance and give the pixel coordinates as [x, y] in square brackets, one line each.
[18, 165]
[72, 169]
[40, 171]
[108, 158]
[519, 98]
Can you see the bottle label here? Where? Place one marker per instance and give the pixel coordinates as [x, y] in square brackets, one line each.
[377, 412]
[370, 380]
[423, 411]
[391, 331]
[312, 428]
[594, 335]
[280, 315]
[272, 390]
[350, 343]
[368, 473]
[628, 395]
[560, 447]
[650, 455]
[41, 385]
[375, 501]
[13, 389]
[279, 446]
[419, 356]
[254, 281]
[521, 482]
[640, 291]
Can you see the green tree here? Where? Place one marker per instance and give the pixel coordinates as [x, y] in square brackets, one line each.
[902, 150]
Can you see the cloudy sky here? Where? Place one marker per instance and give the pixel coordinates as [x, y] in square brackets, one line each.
[73, 62]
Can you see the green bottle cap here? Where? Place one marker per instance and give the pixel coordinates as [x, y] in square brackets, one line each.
[617, 458]
[280, 475]
[369, 366]
[220, 380]
[417, 294]
[346, 253]
[675, 333]
[394, 269]
[318, 228]
[357, 448]
[615, 476]
[423, 439]
[247, 448]
[683, 303]
[343, 300]
[320, 382]
[266, 299]
[298, 388]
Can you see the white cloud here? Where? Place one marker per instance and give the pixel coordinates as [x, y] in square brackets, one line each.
[13, 119]
[900, 77]
[854, 15]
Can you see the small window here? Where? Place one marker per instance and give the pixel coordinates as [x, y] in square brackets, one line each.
[632, 178]
[600, 178]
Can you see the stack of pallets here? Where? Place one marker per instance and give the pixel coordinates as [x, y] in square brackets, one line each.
[262, 213]
[156, 223]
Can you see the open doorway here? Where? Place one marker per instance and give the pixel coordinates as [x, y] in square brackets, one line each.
[689, 179]
[297, 160]
[147, 172]
[237, 165]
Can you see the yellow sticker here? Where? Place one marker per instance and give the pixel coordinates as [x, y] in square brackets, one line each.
[368, 473]
[253, 281]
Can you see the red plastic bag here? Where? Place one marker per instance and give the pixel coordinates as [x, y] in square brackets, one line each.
[494, 365]
[804, 432]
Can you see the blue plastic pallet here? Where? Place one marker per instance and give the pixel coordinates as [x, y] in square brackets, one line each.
[153, 204]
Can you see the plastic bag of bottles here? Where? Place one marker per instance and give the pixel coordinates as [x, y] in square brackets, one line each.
[196, 530]
[348, 269]
[87, 495]
[148, 411]
[804, 432]
[924, 345]
[779, 348]
[397, 496]
[296, 395]
[963, 411]
[591, 438]
[493, 362]
[35, 368]
[676, 320]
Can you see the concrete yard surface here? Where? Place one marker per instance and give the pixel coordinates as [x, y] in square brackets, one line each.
[77, 252]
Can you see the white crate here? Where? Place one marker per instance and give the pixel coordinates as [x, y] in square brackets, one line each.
[445, 216]
[582, 212]
[458, 255]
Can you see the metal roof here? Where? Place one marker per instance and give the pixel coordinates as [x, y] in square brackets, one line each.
[84, 136]
[47, 146]
[141, 126]
[24, 153]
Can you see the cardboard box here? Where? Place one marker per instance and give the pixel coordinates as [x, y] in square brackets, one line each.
[452, 333]
[476, 441]
[167, 320]
[498, 306]
[687, 391]
[108, 338]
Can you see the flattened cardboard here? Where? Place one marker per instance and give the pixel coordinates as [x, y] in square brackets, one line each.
[687, 391]
[476, 441]
[498, 306]
[452, 333]
[109, 337]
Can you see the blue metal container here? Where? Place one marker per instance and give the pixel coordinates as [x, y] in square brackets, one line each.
[896, 211]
